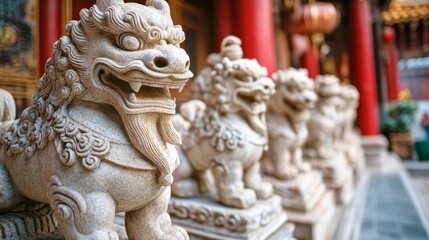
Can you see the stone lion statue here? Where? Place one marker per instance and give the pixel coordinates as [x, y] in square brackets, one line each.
[348, 133]
[99, 137]
[227, 135]
[289, 110]
[322, 125]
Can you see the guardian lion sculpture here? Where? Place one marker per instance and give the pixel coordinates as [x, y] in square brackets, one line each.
[322, 149]
[227, 135]
[289, 110]
[98, 137]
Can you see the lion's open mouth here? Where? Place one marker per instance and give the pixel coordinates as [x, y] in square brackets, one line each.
[137, 96]
[253, 101]
[296, 106]
[137, 88]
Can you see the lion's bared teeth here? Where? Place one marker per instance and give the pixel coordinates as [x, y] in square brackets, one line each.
[167, 92]
[132, 98]
[135, 86]
[181, 88]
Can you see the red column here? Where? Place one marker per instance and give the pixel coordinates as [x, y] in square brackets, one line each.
[223, 20]
[391, 67]
[310, 62]
[362, 66]
[50, 28]
[255, 27]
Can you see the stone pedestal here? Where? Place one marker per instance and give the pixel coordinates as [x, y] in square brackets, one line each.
[314, 224]
[206, 219]
[29, 224]
[301, 193]
[338, 176]
[375, 148]
[350, 215]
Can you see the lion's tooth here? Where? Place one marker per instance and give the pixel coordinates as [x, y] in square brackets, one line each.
[132, 98]
[136, 86]
[181, 88]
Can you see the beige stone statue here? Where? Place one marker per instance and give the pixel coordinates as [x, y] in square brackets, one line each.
[349, 135]
[321, 148]
[223, 141]
[289, 110]
[304, 194]
[228, 134]
[99, 136]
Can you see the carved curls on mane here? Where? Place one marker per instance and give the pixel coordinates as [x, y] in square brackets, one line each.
[114, 20]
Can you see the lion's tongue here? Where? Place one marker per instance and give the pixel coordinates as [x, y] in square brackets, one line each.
[152, 134]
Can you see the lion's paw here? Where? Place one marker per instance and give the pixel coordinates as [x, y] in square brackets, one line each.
[103, 235]
[175, 233]
[290, 172]
[305, 167]
[264, 190]
[185, 188]
[240, 199]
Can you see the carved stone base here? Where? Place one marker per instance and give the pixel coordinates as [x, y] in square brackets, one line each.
[301, 193]
[29, 224]
[314, 224]
[206, 219]
[338, 176]
[375, 148]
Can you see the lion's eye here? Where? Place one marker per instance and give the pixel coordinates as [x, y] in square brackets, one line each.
[129, 42]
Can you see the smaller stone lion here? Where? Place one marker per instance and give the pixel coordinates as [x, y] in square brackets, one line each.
[289, 110]
[226, 136]
[322, 125]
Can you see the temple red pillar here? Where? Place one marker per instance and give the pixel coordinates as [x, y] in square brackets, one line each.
[50, 28]
[255, 27]
[223, 20]
[362, 68]
[310, 62]
[391, 64]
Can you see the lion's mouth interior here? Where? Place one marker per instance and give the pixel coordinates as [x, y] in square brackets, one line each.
[253, 102]
[295, 106]
[252, 98]
[136, 95]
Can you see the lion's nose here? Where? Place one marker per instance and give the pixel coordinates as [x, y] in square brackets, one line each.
[169, 59]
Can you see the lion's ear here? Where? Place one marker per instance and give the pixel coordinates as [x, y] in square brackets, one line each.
[161, 5]
[104, 4]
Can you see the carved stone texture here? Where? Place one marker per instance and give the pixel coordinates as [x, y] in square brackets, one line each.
[223, 141]
[99, 135]
[37, 221]
[322, 148]
[317, 223]
[207, 219]
[301, 193]
[302, 188]
[350, 137]
[337, 176]
[225, 137]
[288, 113]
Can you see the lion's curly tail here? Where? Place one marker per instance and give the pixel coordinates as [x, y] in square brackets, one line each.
[7, 108]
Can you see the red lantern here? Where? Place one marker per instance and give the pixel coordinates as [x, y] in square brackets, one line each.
[388, 34]
[319, 17]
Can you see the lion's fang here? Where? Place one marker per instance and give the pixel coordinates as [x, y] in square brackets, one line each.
[132, 98]
[136, 86]
[181, 88]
